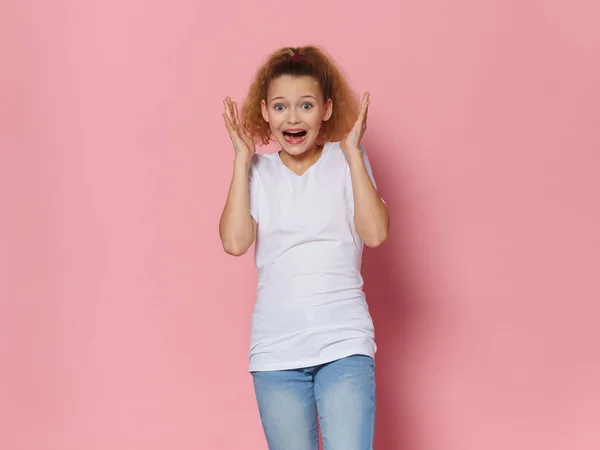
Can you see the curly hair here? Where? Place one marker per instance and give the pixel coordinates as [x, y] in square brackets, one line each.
[302, 61]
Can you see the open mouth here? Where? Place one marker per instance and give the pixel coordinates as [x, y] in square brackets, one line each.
[294, 136]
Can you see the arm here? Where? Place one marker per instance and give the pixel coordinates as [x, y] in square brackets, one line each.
[371, 218]
[237, 228]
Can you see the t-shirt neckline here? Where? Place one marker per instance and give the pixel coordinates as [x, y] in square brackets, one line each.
[317, 162]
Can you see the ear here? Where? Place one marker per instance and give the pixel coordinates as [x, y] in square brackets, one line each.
[263, 109]
[328, 110]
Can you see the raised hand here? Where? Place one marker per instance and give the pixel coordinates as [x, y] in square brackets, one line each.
[242, 141]
[351, 142]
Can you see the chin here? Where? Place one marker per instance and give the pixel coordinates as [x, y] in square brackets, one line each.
[296, 150]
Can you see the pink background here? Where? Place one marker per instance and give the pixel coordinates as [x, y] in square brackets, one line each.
[123, 324]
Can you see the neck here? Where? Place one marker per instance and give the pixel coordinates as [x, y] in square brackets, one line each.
[301, 163]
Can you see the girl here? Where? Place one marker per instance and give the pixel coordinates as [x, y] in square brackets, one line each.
[309, 207]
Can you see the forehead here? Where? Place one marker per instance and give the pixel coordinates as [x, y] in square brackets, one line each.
[288, 86]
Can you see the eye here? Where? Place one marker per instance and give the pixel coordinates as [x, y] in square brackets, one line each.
[278, 107]
[307, 106]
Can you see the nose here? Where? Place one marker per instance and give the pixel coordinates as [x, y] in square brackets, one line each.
[293, 117]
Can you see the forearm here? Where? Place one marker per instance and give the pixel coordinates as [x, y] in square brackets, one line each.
[237, 228]
[371, 218]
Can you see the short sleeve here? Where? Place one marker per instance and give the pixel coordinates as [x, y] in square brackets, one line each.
[254, 191]
[349, 191]
[367, 164]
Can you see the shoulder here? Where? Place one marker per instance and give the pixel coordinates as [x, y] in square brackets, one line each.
[335, 154]
[262, 164]
[336, 148]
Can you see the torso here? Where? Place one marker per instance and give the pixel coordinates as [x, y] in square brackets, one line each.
[310, 306]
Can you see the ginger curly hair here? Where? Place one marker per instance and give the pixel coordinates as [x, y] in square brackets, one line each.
[302, 61]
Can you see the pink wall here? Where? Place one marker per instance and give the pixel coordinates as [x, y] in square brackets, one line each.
[124, 326]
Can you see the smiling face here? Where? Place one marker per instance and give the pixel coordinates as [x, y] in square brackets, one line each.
[295, 110]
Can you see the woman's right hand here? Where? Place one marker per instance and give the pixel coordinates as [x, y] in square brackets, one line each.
[242, 141]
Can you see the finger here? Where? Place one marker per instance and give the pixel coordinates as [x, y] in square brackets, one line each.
[233, 134]
[363, 113]
[232, 116]
[364, 116]
[365, 99]
[236, 114]
[235, 118]
[228, 109]
[365, 102]
[227, 122]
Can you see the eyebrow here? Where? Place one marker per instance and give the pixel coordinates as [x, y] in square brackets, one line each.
[283, 98]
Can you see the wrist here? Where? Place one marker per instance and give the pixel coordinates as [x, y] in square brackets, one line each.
[241, 162]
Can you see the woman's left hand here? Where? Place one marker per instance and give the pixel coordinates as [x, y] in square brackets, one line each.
[351, 143]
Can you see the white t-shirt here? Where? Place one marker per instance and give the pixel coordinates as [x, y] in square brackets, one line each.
[310, 307]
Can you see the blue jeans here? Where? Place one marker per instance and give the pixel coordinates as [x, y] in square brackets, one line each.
[338, 396]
